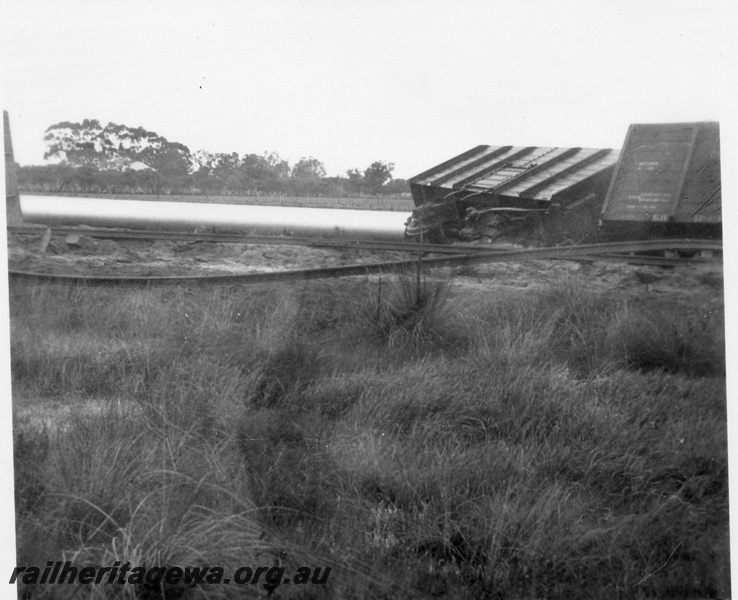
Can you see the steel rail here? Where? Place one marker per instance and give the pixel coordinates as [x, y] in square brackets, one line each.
[412, 247]
[282, 276]
[639, 259]
[227, 238]
[352, 270]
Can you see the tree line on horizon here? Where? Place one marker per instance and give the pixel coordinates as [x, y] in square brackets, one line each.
[117, 159]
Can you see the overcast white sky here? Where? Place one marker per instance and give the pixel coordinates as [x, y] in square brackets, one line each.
[349, 82]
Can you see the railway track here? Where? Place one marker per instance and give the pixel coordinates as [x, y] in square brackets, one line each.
[413, 247]
[649, 252]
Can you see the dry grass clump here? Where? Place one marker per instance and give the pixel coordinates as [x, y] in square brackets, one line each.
[669, 340]
[287, 370]
[564, 490]
[561, 444]
[409, 308]
[110, 487]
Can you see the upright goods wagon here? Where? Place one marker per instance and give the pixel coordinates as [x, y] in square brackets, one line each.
[667, 182]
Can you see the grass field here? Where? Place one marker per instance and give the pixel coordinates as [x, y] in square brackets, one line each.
[420, 441]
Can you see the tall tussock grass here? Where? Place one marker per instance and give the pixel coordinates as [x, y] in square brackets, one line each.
[652, 339]
[420, 440]
[408, 309]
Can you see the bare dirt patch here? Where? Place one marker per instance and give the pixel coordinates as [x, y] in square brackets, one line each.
[139, 258]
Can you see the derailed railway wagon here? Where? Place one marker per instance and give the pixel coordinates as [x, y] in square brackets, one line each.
[666, 183]
[488, 190]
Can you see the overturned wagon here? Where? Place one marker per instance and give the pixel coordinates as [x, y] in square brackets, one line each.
[488, 189]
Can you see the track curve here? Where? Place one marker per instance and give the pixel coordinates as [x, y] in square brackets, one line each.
[650, 252]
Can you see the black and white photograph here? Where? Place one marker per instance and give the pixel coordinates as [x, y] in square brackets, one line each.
[367, 300]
